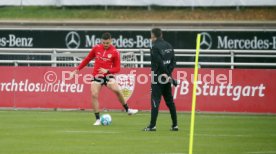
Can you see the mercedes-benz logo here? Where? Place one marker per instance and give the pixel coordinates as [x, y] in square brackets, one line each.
[206, 41]
[72, 40]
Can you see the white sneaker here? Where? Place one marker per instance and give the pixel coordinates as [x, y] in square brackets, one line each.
[97, 123]
[132, 111]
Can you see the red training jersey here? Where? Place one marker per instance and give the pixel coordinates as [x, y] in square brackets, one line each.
[104, 58]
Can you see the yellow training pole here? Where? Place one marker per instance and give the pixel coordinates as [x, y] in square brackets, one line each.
[194, 95]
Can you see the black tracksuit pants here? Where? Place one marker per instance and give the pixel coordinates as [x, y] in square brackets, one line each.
[164, 90]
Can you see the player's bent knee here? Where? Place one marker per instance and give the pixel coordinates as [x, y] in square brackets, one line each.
[117, 92]
[95, 95]
[170, 104]
[169, 100]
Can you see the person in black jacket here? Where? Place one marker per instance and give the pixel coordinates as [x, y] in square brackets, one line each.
[162, 65]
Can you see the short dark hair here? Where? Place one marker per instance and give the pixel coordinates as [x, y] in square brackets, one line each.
[106, 36]
[157, 32]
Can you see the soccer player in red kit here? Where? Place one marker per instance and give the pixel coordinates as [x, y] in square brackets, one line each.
[107, 63]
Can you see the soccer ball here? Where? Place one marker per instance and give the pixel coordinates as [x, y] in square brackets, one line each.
[106, 119]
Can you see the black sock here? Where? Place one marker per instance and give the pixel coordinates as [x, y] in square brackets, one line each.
[97, 115]
[126, 107]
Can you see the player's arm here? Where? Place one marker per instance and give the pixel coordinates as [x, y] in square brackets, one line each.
[85, 61]
[116, 64]
[157, 59]
[172, 64]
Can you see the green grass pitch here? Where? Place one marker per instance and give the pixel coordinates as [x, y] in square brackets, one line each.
[71, 132]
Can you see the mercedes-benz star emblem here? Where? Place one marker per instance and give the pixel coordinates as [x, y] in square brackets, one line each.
[72, 40]
[206, 41]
